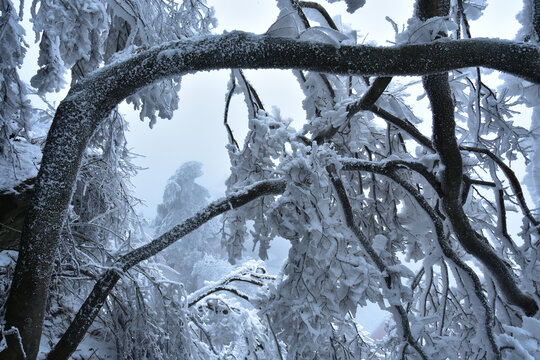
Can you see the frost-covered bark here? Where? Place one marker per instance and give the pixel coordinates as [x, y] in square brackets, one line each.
[256, 51]
[44, 220]
[444, 140]
[92, 98]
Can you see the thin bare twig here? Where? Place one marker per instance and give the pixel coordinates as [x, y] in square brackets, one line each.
[398, 310]
[226, 113]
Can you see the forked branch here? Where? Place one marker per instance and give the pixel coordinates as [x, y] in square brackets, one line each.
[444, 140]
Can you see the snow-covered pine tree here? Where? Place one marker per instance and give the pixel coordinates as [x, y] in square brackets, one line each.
[182, 197]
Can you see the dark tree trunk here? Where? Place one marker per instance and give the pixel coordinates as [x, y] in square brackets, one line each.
[13, 205]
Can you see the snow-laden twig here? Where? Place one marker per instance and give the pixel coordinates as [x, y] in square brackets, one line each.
[452, 256]
[399, 312]
[231, 89]
[444, 140]
[366, 102]
[92, 305]
[514, 183]
[243, 274]
[214, 289]
[465, 270]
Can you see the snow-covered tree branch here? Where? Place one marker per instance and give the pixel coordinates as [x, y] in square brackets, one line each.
[90, 309]
[375, 208]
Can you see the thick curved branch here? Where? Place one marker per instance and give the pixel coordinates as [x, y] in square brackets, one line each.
[444, 140]
[449, 253]
[90, 308]
[243, 50]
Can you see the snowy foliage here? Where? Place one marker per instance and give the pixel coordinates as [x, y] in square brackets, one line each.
[81, 36]
[16, 112]
[328, 273]
[352, 5]
[374, 210]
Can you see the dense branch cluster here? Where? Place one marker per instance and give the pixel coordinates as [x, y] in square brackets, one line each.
[374, 209]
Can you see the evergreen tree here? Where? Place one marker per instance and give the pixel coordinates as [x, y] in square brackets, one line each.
[182, 198]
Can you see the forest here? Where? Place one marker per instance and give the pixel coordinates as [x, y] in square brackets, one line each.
[434, 218]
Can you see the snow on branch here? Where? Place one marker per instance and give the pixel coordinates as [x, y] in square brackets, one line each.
[92, 99]
[444, 140]
[390, 278]
[247, 273]
[92, 305]
[514, 183]
[389, 169]
[367, 101]
[244, 50]
[390, 166]
[468, 239]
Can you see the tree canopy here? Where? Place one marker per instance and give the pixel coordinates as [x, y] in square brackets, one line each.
[375, 207]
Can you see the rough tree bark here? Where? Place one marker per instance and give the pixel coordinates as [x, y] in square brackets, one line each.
[439, 94]
[92, 99]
